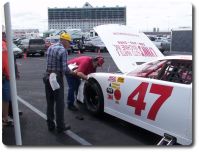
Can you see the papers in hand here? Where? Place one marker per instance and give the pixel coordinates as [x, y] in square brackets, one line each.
[53, 81]
[73, 66]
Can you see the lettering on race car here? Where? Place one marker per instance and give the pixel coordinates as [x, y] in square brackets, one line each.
[125, 48]
[140, 92]
[139, 104]
[164, 92]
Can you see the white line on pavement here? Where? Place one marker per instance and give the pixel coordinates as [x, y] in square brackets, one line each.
[69, 133]
[41, 59]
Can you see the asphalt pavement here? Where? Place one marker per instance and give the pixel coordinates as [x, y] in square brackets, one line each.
[86, 129]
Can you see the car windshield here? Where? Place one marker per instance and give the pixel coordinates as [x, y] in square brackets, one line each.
[25, 41]
[52, 40]
[37, 41]
[146, 69]
[179, 71]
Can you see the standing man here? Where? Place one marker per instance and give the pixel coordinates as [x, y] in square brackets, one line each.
[6, 95]
[57, 63]
[86, 65]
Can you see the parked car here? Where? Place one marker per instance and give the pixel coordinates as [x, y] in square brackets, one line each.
[17, 51]
[77, 45]
[161, 43]
[23, 44]
[94, 44]
[54, 39]
[36, 46]
[51, 40]
[155, 95]
[165, 43]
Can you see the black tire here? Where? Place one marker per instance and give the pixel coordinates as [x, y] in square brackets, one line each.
[81, 50]
[162, 50]
[93, 97]
[42, 54]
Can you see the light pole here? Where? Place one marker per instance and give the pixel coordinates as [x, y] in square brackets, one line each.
[168, 22]
[147, 23]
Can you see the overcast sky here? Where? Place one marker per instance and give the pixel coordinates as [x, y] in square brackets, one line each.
[141, 14]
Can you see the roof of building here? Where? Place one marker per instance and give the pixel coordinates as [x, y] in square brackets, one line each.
[87, 5]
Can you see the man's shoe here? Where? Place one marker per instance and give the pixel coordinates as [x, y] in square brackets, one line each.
[11, 114]
[8, 122]
[20, 113]
[62, 129]
[51, 126]
[73, 108]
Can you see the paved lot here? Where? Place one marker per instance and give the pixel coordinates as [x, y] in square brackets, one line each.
[98, 131]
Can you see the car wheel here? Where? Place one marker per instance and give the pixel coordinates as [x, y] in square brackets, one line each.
[162, 50]
[81, 50]
[42, 54]
[93, 97]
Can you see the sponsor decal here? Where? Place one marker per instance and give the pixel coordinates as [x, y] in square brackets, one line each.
[115, 84]
[112, 79]
[109, 90]
[117, 102]
[117, 94]
[110, 97]
[120, 80]
[115, 87]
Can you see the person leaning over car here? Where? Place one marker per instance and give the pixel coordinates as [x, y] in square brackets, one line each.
[85, 66]
[57, 63]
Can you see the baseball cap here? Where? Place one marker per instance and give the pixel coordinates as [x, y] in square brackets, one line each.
[100, 61]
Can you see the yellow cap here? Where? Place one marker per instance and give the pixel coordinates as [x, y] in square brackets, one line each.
[65, 36]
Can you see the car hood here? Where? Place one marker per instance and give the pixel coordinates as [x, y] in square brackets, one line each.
[17, 50]
[127, 47]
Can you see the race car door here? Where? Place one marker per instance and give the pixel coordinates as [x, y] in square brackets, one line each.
[156, 105]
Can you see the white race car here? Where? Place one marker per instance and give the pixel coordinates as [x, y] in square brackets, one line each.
[156, 95]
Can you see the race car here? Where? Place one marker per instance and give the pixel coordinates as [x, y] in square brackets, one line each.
[155, 95]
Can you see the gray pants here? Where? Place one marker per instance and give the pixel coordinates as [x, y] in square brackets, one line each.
[55, 97]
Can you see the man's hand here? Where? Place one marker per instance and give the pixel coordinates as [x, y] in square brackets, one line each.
[80, 74]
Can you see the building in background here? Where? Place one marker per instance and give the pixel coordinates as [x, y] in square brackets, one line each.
[85, 18]
[26, 33]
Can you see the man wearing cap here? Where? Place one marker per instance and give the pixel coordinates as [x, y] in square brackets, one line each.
[57, 63]
[85, 66]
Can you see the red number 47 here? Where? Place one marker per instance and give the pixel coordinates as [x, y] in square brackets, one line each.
[140, 91]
